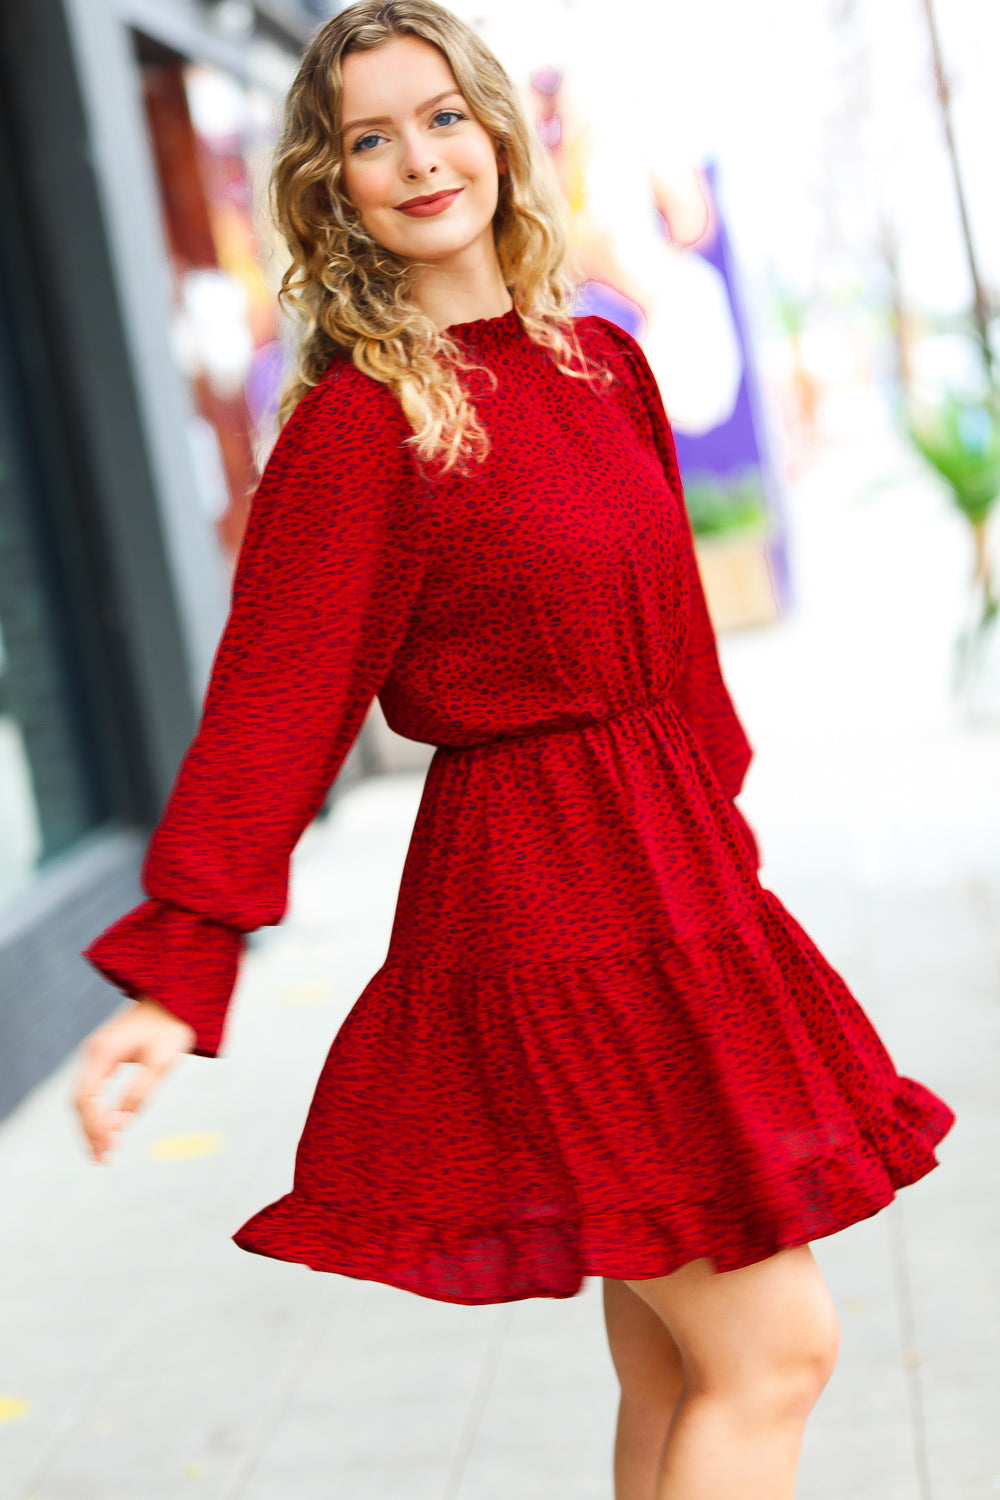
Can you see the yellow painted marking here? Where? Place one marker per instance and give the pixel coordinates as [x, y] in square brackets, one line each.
[13, 1407]
[184, 1147]
[193, 1471]
[307, 992]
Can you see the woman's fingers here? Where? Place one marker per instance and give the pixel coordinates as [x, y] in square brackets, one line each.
[144, 1036]
[98, 1120]
[141, 1085]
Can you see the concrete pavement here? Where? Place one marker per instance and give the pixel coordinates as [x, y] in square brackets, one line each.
[145, 1357]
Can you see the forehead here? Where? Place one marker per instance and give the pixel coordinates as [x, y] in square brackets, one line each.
[393, 78]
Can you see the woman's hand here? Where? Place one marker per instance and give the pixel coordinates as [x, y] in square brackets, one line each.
[149, 1035]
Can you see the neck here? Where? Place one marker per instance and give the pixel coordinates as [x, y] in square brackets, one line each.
[459, 294]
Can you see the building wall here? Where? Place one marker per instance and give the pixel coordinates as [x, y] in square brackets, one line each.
[115, 588]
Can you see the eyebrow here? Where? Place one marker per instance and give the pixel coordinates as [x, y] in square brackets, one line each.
[387, 120]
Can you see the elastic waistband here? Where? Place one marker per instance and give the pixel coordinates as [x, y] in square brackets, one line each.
[572, 726]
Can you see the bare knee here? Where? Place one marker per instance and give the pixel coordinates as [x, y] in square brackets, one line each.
[765, 1337]
[779, 1378]
[824, 1348]
[818, 1346]
[792, 1385]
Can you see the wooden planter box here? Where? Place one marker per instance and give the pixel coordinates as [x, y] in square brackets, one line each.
[737, 579]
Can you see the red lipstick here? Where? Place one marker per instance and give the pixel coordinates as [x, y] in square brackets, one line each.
[433, 203]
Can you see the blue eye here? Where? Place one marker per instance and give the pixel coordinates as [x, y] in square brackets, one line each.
[371, 136]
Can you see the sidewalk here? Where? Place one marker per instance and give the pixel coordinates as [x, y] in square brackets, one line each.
[145, 1357]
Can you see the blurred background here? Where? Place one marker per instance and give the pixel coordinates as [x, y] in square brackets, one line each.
[792, 205]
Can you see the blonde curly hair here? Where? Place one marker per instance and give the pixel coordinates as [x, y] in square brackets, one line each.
[352, 294]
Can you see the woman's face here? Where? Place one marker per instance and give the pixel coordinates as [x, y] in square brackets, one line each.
[408, 133]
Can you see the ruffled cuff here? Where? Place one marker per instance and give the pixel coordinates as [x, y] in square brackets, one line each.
[185, 962]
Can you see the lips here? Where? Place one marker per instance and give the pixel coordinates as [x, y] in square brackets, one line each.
[432, 203]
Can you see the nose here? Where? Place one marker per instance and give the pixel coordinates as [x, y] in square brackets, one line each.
[418, 159]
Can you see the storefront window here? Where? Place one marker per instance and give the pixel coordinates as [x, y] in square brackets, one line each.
[212, 136]
[45, 800]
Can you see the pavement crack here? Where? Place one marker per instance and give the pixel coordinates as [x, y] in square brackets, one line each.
[90, 1391]
[477, 1404]
[909, 1348]
[316, 1329]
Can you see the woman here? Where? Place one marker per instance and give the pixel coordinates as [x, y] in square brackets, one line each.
[609, 1050]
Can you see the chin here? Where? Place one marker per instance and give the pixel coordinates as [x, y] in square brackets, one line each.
[438, 230]
[441, 247]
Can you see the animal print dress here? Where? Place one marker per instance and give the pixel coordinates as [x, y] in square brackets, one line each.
[598, 1045]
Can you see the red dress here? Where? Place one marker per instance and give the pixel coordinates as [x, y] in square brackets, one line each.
[598, 1045]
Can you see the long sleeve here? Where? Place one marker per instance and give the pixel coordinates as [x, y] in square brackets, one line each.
[699, 691]
[325, 584]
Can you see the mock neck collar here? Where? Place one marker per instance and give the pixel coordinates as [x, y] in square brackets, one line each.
[486, 330]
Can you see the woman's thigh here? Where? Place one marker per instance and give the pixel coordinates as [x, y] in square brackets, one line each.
[644, 1353]
[734, 1328]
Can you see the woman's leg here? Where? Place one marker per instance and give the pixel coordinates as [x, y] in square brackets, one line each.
[648, 1364]
[758, 1345]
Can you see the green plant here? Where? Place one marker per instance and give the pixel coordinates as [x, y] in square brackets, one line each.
[716, 505]
[960, 438]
